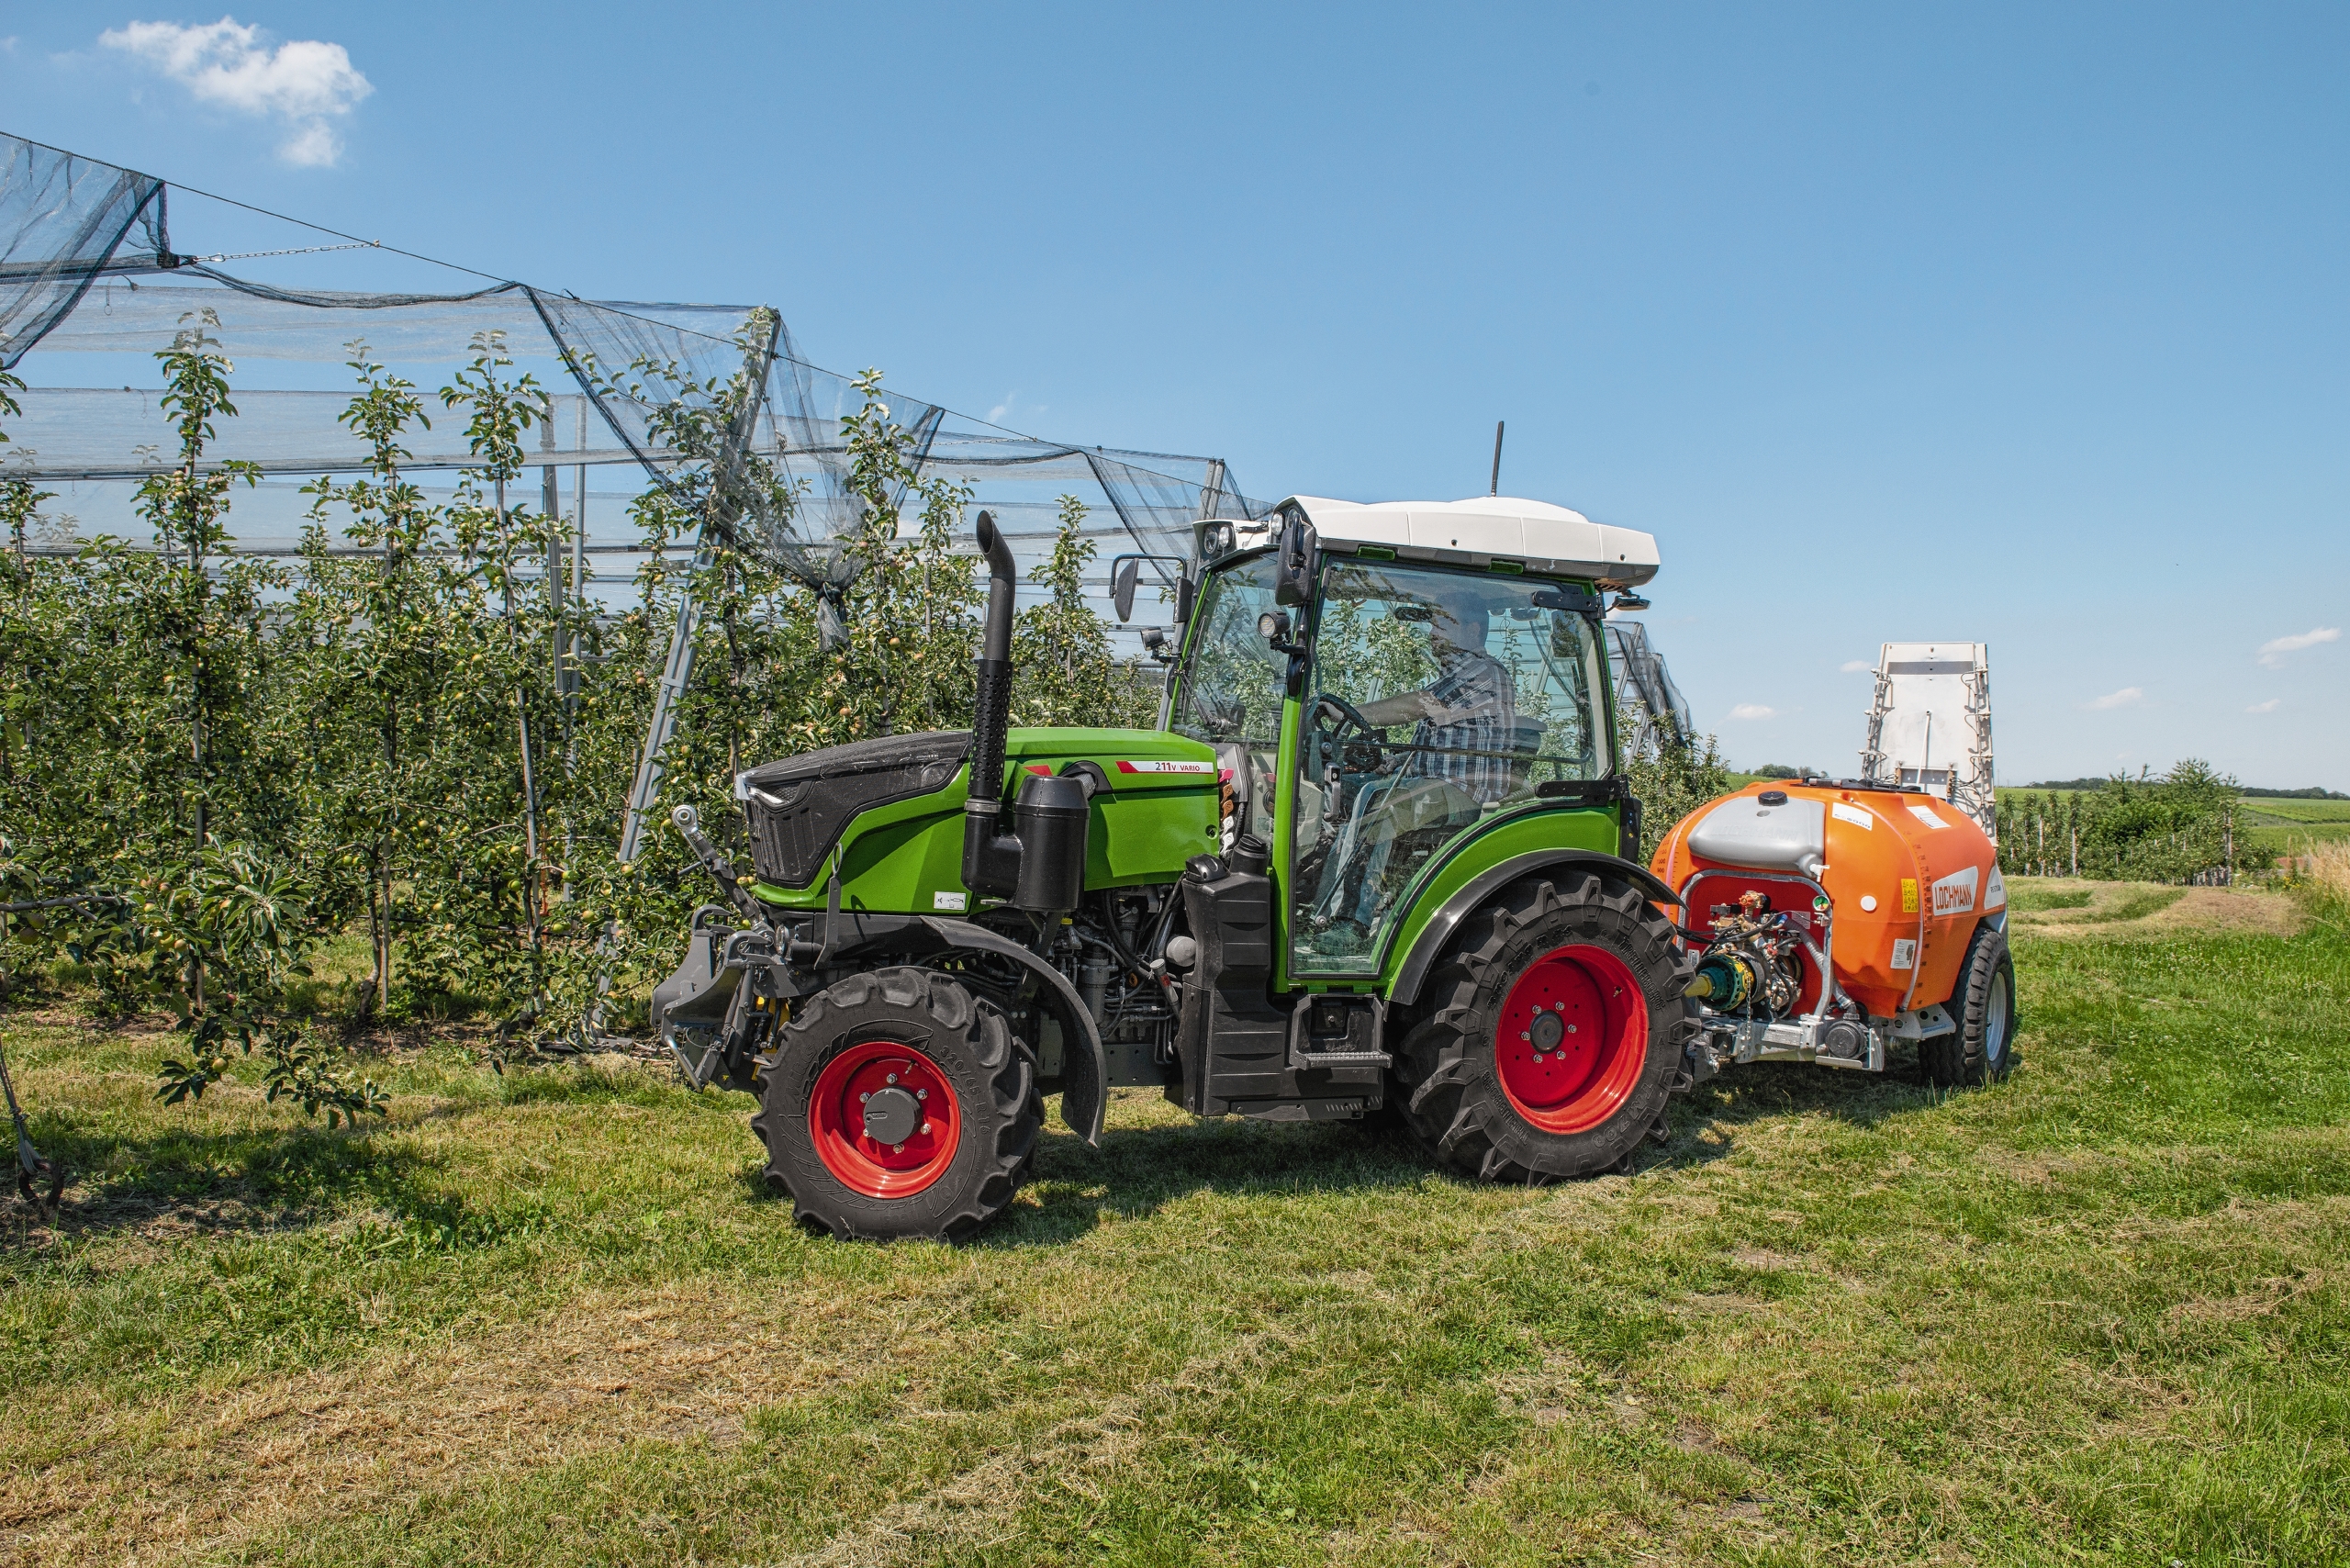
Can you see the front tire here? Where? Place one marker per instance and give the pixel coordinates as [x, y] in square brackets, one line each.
[1983, 1048]
[896, 1104]
[1555, 1027]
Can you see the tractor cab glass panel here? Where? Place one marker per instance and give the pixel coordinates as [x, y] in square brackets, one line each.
[1438, 699]
[1232, 688]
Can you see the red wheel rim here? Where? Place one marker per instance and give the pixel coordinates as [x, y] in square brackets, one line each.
[1572, 1037]
[837, 1120]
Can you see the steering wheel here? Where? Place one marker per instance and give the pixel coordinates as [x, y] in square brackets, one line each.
[1349, 718]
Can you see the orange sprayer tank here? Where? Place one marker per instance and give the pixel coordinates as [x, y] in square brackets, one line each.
[1907, 878]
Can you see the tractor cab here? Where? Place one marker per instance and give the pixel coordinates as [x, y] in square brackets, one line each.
[1382, 684]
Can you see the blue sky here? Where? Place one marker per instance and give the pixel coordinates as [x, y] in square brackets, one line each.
[2019, 324]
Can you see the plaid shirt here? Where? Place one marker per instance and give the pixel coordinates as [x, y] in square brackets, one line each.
[1479, 683]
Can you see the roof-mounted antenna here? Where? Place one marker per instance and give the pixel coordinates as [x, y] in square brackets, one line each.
[1496, 487]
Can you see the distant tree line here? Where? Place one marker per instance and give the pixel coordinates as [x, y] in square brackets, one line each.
[2312, 793]
[2178, 828]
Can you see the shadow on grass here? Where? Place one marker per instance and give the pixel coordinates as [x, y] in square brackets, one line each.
[1763, 1092]
[1138, 1170]
[250, 1181]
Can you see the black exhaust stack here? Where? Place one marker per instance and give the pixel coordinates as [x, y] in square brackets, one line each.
[991, 859]
[1042, 865]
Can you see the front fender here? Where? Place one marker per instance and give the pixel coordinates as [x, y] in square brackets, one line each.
[1084, 1067]
[1437, 933]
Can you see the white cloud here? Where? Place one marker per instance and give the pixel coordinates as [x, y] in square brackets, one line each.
[303, 83]
[2128, 697]
[1854, 666]
[2268, 707]
[2273, 652]
[1754, 710]
[1012, 408]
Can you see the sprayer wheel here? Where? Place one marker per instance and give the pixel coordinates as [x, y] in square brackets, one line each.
[896, 1105]
[1551, 1034]
[1982, 1048]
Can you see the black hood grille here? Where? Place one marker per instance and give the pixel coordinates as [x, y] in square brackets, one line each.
[799, 806]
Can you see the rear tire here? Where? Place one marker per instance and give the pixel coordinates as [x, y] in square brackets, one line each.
[1554, 1030]
[896, 1104]
[1983, 1048]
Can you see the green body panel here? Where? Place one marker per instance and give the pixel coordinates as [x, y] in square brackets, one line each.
[899, 860]
[1501, 837]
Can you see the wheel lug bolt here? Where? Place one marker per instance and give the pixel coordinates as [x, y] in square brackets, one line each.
[863, 1098]
[893, 1078]
[897, 1148]
[922, 1093]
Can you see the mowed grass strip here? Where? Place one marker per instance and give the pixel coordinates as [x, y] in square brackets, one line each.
[2096, 1313]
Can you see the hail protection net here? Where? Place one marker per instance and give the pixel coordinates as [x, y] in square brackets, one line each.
[62, 219]
[1645, 692]
[90, 282]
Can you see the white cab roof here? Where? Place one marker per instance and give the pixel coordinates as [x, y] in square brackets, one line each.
[1476, 531]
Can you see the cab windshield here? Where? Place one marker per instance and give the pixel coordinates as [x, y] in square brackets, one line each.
[1438, 699]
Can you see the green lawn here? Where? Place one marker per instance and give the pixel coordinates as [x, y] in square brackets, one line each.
[2097, 1314]
[2293, 827]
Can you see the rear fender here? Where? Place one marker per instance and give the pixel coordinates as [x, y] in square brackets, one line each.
[1439, 931]
[1084, 1070]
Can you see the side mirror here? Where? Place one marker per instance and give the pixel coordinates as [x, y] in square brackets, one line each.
[1186, 591]
[1294, 561]
[1124, 573]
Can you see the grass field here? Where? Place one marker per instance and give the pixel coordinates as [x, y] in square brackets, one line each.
[2294, 827]
[2097, 1314]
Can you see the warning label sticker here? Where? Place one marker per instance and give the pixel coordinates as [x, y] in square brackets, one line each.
[947, 900]
[1845, 811]
[1904, 953]
[1165, 766]
[1926, 816]
[1908, 895]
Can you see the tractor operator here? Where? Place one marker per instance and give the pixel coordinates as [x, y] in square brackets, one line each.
[1466, 722]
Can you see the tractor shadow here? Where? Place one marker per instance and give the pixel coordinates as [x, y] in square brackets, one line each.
[1138, 1170]
[1704, 1124]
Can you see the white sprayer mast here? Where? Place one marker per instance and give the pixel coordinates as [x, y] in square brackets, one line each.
[1930, 723]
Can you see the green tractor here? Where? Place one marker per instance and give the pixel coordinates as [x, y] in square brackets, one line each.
[1377, 860]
